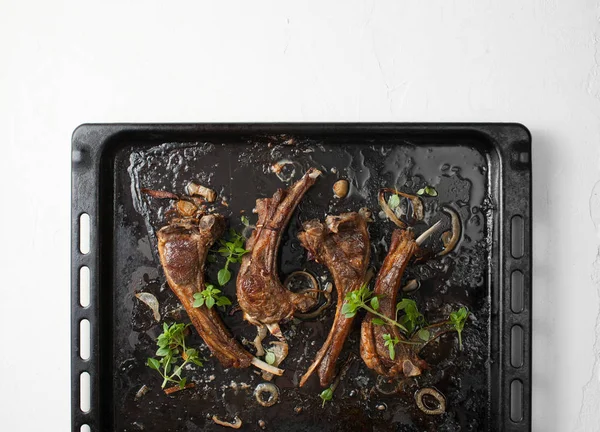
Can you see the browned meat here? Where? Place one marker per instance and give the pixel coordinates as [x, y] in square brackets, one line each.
[372, 349]
[342, 244]
[183, 247]
[262, 297]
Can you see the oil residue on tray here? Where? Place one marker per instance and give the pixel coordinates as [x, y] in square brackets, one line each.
[240, 171]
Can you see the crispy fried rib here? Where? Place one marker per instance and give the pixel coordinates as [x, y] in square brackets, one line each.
[342, 244]
[262, 297]
[372, 349]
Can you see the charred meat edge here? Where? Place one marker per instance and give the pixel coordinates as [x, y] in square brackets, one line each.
[261, 295]
[372, 349]
[183, 246]
[342, 244]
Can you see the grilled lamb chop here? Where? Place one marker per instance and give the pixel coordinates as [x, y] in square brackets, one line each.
[372, 349]
[342, 244]
[262, 297]
[183, 246]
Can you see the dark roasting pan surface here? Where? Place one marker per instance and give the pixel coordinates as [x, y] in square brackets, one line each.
[483, 171]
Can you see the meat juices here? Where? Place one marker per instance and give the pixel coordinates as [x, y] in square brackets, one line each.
[261, 295]
[183, 247]
[342, 244]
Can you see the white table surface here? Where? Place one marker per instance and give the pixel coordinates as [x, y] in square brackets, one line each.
[63, 63]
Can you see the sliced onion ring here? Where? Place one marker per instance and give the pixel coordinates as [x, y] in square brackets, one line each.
[417, 205]
[314, 289]
[151, 301]
[278, 169]
[385, 387]
[388, 211]
[456, 231]
[441, 400]
[270, 389]
[318, 311]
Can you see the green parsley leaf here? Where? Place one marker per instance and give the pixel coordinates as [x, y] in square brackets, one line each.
[245, 220]
[458, 320]
[233, 250]
[375, 303]
[153, 363]
[196, 361]
[423, 334]
[390, 343]
[270, 357]
[223, 301]
[429, 190]
[162, 352]
[326, 395]
[363, 298]
[209, 297]
[412, 318]
[393, 201]
[223, 276]
[198, 301]
[182, 383]
[378, 321]
[348, 310]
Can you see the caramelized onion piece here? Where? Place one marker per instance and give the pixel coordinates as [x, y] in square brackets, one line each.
[236, 424]
[284, 174]
[411, 285]
[314, 287]
[160, 194]
[388, 211]
[327, 294]
[176, 388]
[416, 202]
[450, 244]
[151, 301]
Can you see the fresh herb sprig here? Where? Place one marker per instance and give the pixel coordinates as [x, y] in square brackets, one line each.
[209, 297]
[326, 395]
[427, 190]
[390, 343]
[412, 318]
[458, 319]
[171, 345]
[363, 298]
[233, 250]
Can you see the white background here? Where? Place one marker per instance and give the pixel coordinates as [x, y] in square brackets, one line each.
[63, 63]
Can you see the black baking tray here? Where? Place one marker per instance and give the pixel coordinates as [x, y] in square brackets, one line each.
[483, 170]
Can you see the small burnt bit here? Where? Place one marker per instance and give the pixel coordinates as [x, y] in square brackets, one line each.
[239, 169]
